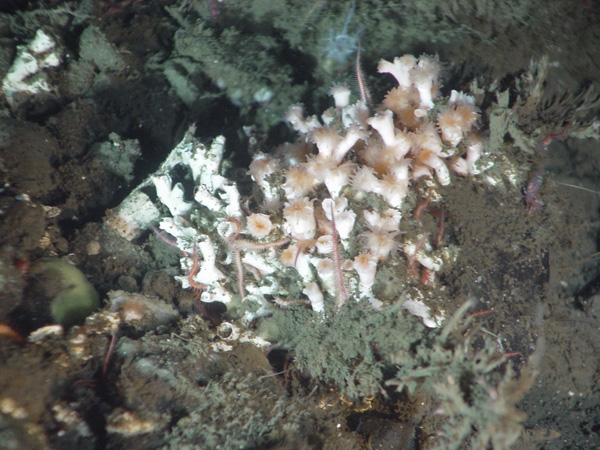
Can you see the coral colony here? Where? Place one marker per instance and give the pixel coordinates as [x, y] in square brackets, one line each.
[328, 208]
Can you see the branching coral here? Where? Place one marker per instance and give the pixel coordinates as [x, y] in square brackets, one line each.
[329, 225]
[340, 205]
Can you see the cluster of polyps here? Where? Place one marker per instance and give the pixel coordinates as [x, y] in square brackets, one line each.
[337, 241]
[332, 203]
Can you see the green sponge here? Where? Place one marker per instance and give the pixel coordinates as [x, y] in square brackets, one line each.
[76, 298]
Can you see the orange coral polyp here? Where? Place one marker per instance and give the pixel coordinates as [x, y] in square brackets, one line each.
[259, 225]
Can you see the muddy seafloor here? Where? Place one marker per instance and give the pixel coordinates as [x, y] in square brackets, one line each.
[61, 391]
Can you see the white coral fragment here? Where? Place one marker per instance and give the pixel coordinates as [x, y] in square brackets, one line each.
[365, 265]
[344, 218]
[400, 69]
[300, 219]
[420, 309]
[133, 215]
[26, 77]
[315, 296]
[172, 196]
